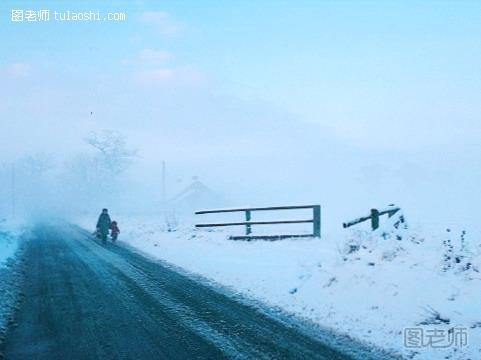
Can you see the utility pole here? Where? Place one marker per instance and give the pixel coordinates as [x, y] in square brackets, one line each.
[13, 190]
[164, 199]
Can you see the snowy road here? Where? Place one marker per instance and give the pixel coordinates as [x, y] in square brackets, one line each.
[83, 301]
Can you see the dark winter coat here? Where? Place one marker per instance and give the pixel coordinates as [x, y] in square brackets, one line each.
[115, 229]
[103, 224]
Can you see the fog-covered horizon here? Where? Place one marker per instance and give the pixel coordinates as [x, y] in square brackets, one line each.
[350, 108]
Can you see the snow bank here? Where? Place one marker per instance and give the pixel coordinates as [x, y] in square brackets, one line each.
[9, 235]
[368, 285]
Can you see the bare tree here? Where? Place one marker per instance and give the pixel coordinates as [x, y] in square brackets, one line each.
[37, 165]
[114, 156]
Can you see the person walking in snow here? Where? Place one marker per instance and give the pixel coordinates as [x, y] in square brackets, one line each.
[114, 231]
[103, 225]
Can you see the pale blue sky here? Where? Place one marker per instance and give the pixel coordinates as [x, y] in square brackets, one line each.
[365, 69]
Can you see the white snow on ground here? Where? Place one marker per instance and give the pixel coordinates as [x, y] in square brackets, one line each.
[372, 293]
[9, 234]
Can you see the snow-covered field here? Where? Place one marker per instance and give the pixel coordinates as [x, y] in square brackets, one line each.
[358, 282]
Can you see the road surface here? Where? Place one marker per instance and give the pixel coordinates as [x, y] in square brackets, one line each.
[88, 301]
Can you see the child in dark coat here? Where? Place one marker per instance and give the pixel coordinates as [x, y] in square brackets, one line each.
[114, 230]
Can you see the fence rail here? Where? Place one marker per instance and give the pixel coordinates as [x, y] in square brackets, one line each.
[316, 221]
[269, 208]
[374, 217]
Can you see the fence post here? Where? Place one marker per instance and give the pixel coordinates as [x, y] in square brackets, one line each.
[316, 217]
[248, 218]
[374, 219]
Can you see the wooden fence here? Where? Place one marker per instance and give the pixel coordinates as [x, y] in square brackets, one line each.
[374, 217]
[315, 220]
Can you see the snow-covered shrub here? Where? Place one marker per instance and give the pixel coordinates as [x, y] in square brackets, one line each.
[171, 221]
[448, 252]
[385, 243]
[457, 254]
[433, 317]
[395, 227]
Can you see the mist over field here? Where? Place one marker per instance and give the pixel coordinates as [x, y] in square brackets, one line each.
[258, 123]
